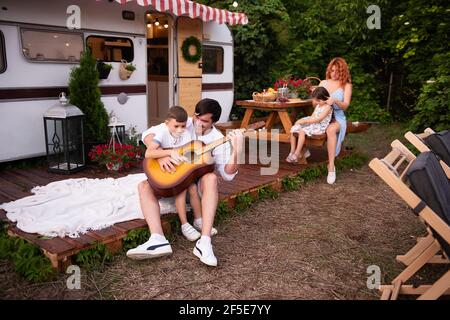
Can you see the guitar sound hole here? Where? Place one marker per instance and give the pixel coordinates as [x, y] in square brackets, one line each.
[191, 156]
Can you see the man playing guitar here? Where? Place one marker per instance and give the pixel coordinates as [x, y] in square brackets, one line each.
[201, 127]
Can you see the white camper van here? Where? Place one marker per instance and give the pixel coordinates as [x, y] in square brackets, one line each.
[40, 43]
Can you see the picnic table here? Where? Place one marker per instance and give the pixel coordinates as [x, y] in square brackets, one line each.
[276, 110]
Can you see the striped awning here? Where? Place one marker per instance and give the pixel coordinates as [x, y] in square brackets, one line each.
[193, 10]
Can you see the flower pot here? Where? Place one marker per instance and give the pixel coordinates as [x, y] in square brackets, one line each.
[293, 95]
[124, 73]
[103, 70]
[103, 73]
[114, 166]
[283, 92]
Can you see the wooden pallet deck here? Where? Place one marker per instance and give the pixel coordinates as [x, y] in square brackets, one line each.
[17, 183]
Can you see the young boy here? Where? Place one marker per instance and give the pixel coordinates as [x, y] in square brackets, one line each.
[171, 134]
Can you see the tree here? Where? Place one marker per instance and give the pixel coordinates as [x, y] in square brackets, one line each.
[299, 37]
[258, 45]
[85, 94]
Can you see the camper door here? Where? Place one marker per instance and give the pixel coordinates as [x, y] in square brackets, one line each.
[189, 75]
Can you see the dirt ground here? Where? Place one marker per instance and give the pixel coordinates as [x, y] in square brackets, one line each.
[314, 243]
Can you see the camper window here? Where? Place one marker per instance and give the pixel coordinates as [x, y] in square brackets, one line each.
[52, 46]
[111, 49]
[212, 58]
[2, 53]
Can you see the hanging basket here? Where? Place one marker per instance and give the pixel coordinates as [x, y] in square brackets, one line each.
[124, 74]
[103, 70]
[310, 83]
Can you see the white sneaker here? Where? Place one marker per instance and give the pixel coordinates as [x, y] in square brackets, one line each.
[189, 232]
[307, 154]
[331, 178]
[198, 226]
[151, 249]
[203, 250]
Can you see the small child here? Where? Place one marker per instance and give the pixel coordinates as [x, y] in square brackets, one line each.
[317, 123]
[172, 134]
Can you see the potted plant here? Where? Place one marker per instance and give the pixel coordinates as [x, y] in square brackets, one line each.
[294, 85]
[118, 157]
[126, 70]
[103, 69]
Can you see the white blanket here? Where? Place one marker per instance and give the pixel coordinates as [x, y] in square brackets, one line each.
[74, 206]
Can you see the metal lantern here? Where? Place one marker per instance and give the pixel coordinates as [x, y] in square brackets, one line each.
[117, 132]
[64, 137]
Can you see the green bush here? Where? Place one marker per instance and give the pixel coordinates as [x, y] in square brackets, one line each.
[291, 183]
[267, 192]
[28, 260]
[222, 212]
[243, 201]
[93, 257]
[312, 173]
[365, 104]
[134, 238]
[433, 105]
[85, 94]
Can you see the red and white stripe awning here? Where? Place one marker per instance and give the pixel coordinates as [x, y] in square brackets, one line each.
[193, 10]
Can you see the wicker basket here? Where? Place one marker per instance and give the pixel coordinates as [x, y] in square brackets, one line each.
[309, 83]
[265, 96]
[124, 74]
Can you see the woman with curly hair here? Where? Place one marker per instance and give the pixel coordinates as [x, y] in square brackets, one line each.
[339, 84]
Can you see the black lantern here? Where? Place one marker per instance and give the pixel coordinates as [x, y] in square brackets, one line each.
[64, 137]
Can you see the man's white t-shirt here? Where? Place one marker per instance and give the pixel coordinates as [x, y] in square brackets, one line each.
[163, 137]
[221, 154]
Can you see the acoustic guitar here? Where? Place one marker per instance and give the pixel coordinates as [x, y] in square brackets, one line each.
[199, 162]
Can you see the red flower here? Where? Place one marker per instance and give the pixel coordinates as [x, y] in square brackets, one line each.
[122, 156]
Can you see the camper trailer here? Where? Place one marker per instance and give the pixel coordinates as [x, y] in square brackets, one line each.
[41, 41]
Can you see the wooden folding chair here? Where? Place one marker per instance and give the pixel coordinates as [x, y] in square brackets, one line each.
[439, 230]
[422, 242]
[417, 140]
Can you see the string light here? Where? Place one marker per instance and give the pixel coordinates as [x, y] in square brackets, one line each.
[157, 22]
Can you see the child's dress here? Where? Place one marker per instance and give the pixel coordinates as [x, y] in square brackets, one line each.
[315, 128]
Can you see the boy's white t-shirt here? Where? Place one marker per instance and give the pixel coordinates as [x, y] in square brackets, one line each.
[163, 137]
[221, 154]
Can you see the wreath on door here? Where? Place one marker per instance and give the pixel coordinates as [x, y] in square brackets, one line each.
[187, 43]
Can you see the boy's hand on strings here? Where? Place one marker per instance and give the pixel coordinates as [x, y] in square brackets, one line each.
[166, 164]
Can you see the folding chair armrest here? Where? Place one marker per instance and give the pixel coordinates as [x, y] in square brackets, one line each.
[416, 141]
[435, 222]
[396, 144]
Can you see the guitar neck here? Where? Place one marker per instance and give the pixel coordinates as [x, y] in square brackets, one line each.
[214, 144]
[225, 139]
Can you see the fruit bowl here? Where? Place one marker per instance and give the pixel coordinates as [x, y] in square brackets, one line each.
[267, 96]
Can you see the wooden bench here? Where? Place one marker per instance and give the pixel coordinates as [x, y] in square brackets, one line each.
[314, 140]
